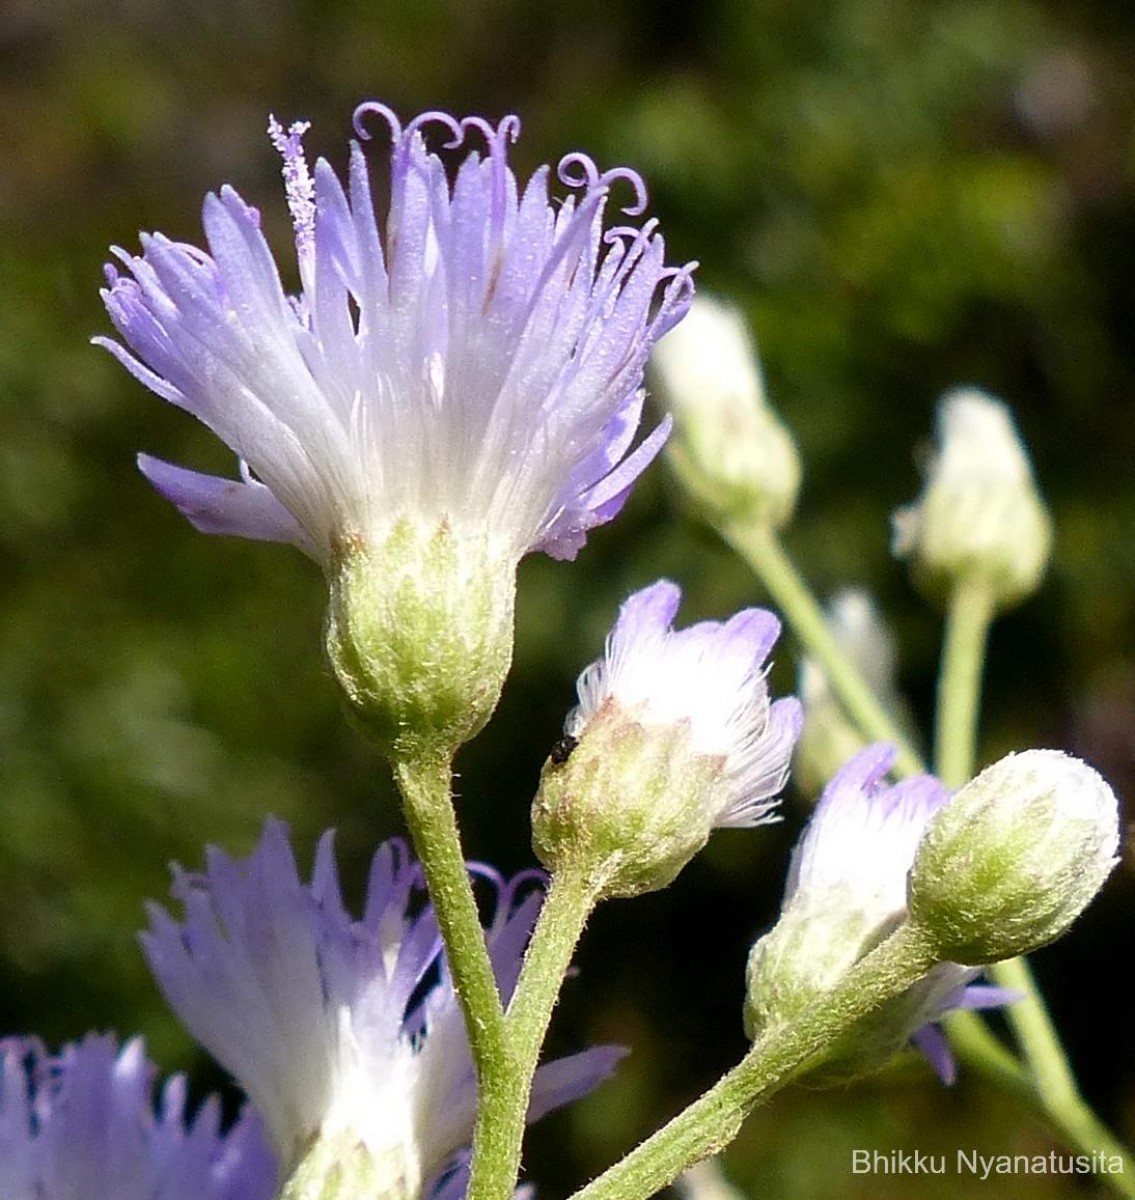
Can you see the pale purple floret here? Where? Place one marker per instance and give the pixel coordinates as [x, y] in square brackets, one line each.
[862, 839]
[334, 1024]
[711, 677]
[82, 1125]
[476, 355]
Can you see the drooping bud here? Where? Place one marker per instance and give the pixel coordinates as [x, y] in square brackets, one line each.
[673, 736]
[846, 893]
[980, 516]
[730, 451]
[419, 633]
[1015, 857]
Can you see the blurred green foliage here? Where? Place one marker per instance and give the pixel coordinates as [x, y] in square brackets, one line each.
[904, 195]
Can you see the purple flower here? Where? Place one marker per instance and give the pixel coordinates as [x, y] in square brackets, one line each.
[340, 1028]
[709, 679]
[81, 1125]
[473, 359]
[846, 891]
[674, 735]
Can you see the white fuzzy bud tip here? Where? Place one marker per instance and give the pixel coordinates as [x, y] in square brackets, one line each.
[729, 449]
[980, 515]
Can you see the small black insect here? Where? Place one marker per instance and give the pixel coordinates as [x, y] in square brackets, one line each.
[561, 751]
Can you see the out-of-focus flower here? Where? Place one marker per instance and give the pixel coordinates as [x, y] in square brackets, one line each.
[730, 450]
[346, 1034]
[675, 734]
[980, 516]
[846, 891]
[1015, 857]
[829, 738]
[706, 1181]
[82, 1125]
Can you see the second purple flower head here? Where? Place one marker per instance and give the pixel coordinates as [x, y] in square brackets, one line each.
[675, 734]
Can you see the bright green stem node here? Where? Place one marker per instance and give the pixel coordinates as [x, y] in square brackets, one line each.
[501, 1118]
[760, 547]
[419, 633]
[713, 1121]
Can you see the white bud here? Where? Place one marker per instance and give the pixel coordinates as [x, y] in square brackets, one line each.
[980, 515]
[729, 449]
[1014, 858]
[829, 738]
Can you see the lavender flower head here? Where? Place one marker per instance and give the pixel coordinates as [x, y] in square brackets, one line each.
[477, 356]
[346, 1034]
[710, 679]
[81, 1125]
[846, 891]
[675, 734]
[456, 384]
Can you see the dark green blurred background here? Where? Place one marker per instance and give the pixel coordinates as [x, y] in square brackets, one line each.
[904, 196]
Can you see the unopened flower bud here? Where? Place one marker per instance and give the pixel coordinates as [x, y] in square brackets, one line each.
[730, 451]
[673, 736]
[1015, 857]
[846, 893]
[980, 515]
[419, 633]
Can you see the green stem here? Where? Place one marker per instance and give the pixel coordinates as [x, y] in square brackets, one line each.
[1047, 1069]
[968, 618]
[973, 1043]
[501, 1119]
[1068, 1116]
[1051, 1075]
[711, 1123]
[760, 547]
[425, 782]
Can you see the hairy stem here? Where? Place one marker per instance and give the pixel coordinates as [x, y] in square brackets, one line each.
[968, 619]
[501, 1118]
[424, 782]
[711, 1122]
